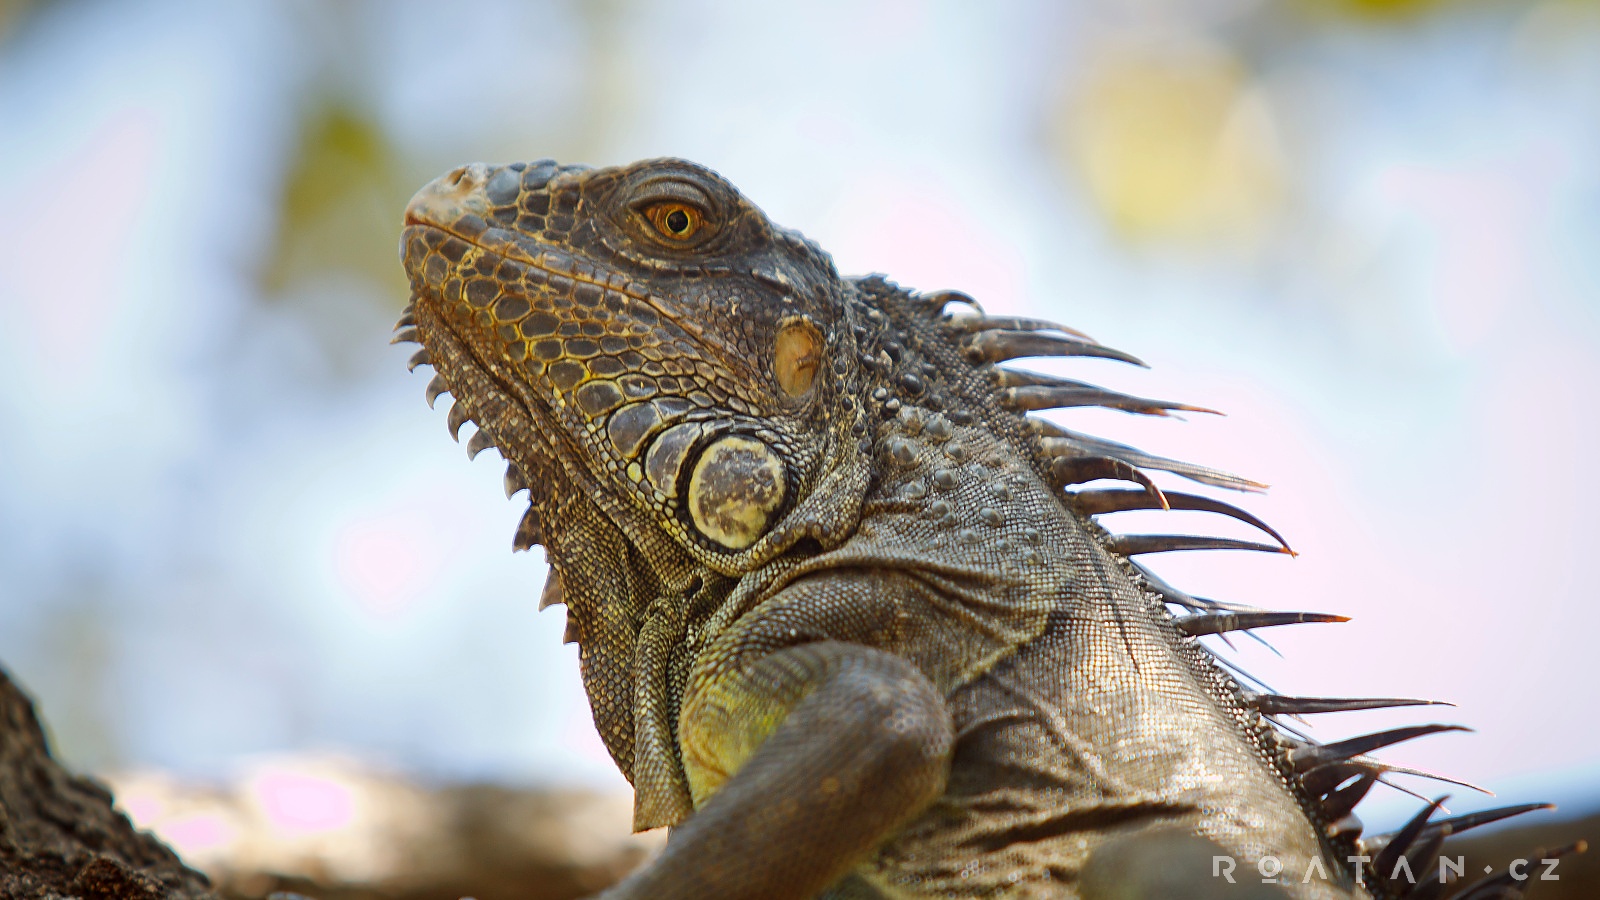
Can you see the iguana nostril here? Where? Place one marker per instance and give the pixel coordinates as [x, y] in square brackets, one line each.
[468, 178]
[446, 201]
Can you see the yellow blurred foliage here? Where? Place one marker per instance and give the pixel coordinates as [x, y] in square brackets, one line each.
[1377, 9]
[341, 202]
[12, 14]
[1173, 142]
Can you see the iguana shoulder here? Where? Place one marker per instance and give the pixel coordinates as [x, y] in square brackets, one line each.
[845, 610]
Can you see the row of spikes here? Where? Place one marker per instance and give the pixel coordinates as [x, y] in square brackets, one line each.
[459, 414]
[1336, 776]
[1339, 774]
[1406, 864]
[530, 530]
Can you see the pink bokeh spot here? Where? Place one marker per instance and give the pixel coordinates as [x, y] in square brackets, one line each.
[67, 320]
[294, 802]
[382, 562]
[1483, 219]
[896, 223]
[201, 831]
[143, 808]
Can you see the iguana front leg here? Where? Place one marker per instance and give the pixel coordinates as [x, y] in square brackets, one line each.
[801, 761]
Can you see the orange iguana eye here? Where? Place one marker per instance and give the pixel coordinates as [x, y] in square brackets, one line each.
[675, 221]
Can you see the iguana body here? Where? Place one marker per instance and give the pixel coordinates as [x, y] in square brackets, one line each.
[839, 623]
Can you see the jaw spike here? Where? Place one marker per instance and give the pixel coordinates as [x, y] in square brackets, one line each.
[1328, 776]
[975, 324]
[409, 317]
[456, 418]
[554, 593]
[1097, 503]
[1433, 776]
[1058, 441]
[1427, 848]
[1274, 705]
[1403, 789]
[530, 531]
[436, 386]
[1135, 544]
[1171, 594]
[1349, 826]
[478, 443]
[514, 481]
[1077, 470]
[1309, 757]
[936, 301]
[1324, 778]
[1469, 821]
[1000, 345]
[1401, 841]
[408, 334]
[1342, 802]
[1029, 398]
[1004, 377]
[420, 358]
[571, 634]
[1217, 623]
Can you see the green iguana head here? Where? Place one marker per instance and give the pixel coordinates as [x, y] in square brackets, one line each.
[675, 353]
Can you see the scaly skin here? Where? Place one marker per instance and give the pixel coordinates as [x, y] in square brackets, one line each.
[838, 621]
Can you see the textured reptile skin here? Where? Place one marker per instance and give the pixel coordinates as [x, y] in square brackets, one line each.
[839, 622]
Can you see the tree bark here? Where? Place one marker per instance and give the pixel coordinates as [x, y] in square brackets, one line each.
[60, 835]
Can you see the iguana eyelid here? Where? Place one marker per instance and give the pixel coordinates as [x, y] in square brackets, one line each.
[673, 190]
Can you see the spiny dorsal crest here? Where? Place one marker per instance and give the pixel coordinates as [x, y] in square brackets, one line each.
[1331, 778]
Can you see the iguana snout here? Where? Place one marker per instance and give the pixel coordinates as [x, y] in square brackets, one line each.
[657, 330]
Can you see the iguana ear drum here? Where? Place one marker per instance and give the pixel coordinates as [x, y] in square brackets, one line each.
[796, 356]
[735, 490]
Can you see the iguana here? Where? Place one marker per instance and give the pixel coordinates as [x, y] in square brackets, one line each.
[841, 623]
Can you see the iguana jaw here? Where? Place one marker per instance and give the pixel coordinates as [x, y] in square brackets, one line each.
[443, 239]
[536, 426]
[622, 359]
[476, 346]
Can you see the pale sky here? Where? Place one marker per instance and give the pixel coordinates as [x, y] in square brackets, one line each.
[220, 538]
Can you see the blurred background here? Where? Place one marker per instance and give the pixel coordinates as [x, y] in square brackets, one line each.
[232, 534]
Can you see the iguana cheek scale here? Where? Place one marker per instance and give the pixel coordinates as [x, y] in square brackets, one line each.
[846, 617]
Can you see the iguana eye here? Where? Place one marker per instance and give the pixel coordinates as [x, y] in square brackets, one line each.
[796, 356]
[675, 221]
[735, 490]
